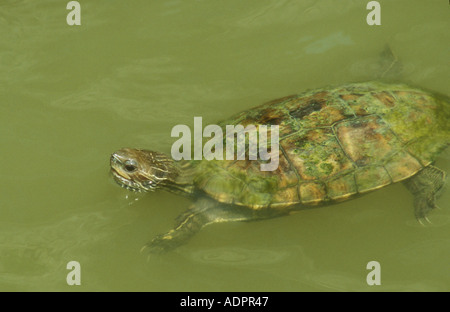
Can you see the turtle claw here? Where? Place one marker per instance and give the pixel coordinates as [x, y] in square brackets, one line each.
[143, 248]
[161, 244]
[149, 255]
[424, 221]
[152, 250]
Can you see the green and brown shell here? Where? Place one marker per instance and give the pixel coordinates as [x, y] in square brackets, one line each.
[334, 143]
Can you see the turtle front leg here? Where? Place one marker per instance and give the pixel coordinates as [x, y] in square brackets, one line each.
[189, 224]
[204, 211]
[424, 186]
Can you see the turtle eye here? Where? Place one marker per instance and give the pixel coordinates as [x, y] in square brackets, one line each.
[130, 165]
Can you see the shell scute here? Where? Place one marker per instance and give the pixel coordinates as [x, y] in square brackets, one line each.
[366, 139]
[342, 187]
[316, 154]
[318, 110]
[402, 166]
[371, 177]
[312, 193]
[284, 197]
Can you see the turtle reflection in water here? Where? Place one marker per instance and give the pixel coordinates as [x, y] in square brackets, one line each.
[335, 144]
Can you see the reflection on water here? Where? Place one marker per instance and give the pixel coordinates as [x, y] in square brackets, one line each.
[234, 256]
[35, 258]
[327, 43]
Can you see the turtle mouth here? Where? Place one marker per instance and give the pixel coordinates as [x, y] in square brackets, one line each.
[131, 185]
[125, 183]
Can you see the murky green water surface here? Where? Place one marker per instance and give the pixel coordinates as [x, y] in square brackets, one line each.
[71, 95]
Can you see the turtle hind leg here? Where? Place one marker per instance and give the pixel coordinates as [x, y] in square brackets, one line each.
[204, 211]
[390, 68]
[425, 185]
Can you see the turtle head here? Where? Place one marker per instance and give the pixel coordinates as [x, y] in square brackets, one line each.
[142, 170]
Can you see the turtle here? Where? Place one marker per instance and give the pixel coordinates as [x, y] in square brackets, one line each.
[335, 144]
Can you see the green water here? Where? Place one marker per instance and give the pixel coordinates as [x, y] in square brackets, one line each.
[71, 95]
